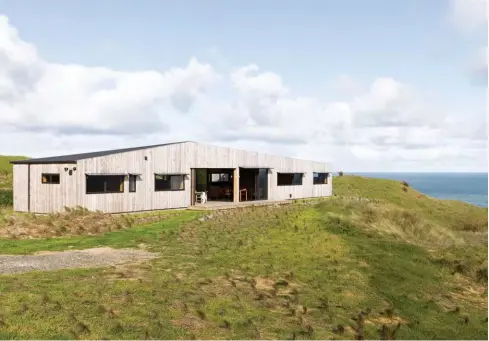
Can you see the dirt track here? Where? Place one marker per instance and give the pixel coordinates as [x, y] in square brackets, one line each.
[89, 258]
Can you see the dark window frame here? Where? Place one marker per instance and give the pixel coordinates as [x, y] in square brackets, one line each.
[316, 180]
[281, 183]
[105, 191]
[49, 178]
[156, 189]
[133, 179]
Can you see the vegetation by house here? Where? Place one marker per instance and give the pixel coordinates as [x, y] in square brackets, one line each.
[375, 261]
[6, 194]
[6, 170]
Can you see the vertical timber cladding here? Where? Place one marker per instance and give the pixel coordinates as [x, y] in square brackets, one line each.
[236, 185]
[193, 185]
[29, 187]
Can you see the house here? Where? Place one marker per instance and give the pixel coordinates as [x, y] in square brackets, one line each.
[162, 176]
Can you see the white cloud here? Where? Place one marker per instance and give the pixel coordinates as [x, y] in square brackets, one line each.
[52, 108]
[65, 98]
[478, 67]
[469, 15]
[346, 84]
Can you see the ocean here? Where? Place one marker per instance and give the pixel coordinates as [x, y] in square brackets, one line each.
[468, 187]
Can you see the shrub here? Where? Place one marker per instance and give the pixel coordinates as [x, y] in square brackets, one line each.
[405, 184]
[340, 173]
[6, 197]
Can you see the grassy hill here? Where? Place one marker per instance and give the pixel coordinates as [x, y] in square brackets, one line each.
[377, 260]
[6, 170]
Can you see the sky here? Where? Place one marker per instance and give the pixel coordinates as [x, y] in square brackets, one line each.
[375, 85]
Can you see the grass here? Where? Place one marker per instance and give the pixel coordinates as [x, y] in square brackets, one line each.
[453, 214]
[6, 170]
[6, 198]
[112, 234]
[373, 262]
[73, 222]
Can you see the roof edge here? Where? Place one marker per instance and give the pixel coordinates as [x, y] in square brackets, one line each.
[34, 162]
[73, 158]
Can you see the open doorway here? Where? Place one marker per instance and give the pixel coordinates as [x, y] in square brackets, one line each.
[216, 182]
[253, 184]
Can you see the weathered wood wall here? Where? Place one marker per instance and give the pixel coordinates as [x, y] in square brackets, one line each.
[52, 197]
[20, 182]
[175, 158]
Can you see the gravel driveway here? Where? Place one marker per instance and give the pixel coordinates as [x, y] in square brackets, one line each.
[89, 258]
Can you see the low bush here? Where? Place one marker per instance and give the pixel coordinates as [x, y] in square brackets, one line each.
[6, 197]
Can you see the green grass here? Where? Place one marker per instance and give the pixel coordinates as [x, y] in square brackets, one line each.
[131, 237]
[6, 198]
[454, 214]
[6, 170]
[298, 271]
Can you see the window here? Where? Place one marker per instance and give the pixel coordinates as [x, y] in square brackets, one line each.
[165, 182]
[105, 184]
[50, 178]
[219, 177]
[320, 178]
[289, 179]
[132, 182]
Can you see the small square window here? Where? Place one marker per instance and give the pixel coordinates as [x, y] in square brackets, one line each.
[49, 178]
[320, 178]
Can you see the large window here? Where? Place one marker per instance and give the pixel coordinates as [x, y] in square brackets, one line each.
[105, 184]
[164, 182]
[50, 178]
[320, 178]
[289, 179]
[132, 182]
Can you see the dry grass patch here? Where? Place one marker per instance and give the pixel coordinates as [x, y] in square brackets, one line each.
[406, 225]
[71, 222]
[189, 322]
[386, 320]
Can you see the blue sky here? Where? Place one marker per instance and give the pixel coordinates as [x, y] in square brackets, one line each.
[326, 52]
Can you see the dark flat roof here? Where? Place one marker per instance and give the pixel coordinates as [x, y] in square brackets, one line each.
[75, 157]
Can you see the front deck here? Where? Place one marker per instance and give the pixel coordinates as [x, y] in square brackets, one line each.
[223, 205]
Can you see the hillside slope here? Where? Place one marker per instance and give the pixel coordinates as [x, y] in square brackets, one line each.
[454, 214]
[6, 170]
[375, 261]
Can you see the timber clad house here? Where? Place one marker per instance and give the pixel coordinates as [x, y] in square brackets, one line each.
[162, 177]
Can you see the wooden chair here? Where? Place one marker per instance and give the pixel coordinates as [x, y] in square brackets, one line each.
[245, 192]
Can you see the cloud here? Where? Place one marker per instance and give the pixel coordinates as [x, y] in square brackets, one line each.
[346, 84]
[37, 95]
[54, 108]
[469, 15]
[478, 67]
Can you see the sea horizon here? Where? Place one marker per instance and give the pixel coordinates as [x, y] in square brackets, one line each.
[411, 172]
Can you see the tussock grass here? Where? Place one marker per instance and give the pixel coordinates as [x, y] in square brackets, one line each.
[71, 222]
[406, 225]
[449, 213]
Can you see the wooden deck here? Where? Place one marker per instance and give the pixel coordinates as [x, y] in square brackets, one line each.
[224, 205]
